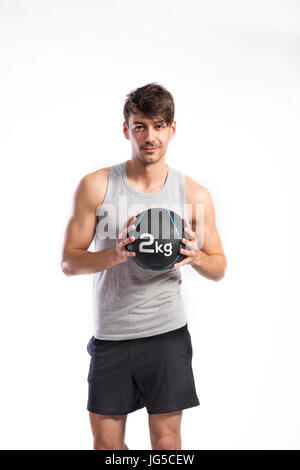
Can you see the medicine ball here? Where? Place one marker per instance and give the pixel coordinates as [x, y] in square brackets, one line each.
[158, 233]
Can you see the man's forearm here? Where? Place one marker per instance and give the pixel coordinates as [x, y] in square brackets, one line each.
[88, 262]
[211, 266]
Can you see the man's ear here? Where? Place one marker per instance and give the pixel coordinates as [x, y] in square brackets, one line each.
[125, 130]
[173, 130]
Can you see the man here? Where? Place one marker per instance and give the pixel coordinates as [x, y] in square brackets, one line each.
[141, 351]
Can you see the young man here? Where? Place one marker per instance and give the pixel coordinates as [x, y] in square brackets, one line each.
[141, 351]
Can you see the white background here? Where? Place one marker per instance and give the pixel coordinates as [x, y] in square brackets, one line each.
[234, 71]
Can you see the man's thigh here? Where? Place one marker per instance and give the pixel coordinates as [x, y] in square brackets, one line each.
[165, 428]
[161, 367]
[108, 430]
[111, 390]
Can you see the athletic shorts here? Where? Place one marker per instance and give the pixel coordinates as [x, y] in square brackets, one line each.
[153, 372]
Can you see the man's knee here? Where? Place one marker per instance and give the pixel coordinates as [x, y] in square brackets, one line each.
[100, 444]
[171, 442]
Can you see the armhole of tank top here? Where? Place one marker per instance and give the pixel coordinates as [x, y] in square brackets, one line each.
[182, 193]
[108, 189]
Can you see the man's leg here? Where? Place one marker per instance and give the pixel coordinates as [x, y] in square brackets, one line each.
[165, 430]
[108, 431]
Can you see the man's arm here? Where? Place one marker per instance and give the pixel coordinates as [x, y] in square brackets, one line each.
[81, 229]
[210, 260]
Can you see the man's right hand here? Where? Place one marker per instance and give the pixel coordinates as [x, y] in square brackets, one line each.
[122, 255]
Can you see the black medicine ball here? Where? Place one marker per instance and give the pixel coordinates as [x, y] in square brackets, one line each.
[158, 233]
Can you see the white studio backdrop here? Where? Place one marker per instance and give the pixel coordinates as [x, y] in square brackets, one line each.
[234, 71]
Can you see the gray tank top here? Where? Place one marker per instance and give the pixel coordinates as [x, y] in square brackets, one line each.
[128, 300]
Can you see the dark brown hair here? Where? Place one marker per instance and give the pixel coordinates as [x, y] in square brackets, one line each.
[152, 100]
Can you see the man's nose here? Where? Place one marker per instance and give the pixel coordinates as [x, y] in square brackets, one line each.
[150, 135]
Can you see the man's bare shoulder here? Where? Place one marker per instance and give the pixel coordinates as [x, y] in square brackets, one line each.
[195, 192]
[94, 186]
[98, 175]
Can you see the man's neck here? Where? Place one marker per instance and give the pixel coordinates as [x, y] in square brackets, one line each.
[147, 176]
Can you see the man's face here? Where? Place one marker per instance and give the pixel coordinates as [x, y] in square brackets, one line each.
[149, 137]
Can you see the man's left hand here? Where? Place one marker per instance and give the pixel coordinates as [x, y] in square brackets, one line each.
[193, 254]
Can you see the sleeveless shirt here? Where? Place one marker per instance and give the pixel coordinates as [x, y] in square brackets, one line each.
[130, 301]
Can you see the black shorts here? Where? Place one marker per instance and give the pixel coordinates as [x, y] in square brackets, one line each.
[155, 372]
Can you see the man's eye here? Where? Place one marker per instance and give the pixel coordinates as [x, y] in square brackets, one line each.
[141, 127]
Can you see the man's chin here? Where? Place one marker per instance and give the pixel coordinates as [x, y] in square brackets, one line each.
[150, 159]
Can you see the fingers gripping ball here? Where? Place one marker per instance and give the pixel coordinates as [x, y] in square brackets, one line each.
[158, 233]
